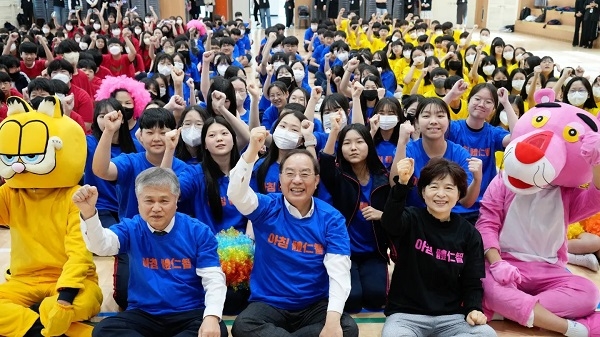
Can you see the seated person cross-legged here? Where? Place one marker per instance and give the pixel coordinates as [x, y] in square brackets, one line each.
[176, 285]
[301, 275]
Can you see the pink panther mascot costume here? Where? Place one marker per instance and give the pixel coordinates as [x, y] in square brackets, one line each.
[555, 149]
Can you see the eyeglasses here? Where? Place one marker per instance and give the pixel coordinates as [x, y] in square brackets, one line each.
[275, 96]
[580, 91]
[304, 175]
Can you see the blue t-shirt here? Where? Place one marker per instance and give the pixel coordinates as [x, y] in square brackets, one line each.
[162, 269]
[107, 191]
[129, 165]
[308, 35]
[481, 144]
[386, 151]
[360, 230]
[193, 187]
[270, 117]
[288, 271]
[454, 152]
[134, 130]
[389, 81]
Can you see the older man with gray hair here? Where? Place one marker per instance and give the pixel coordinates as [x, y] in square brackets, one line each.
[176, 285]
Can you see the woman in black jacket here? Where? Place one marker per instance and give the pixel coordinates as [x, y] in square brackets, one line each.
[359, 187]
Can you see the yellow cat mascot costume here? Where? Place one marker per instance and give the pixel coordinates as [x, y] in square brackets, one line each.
[42, 157]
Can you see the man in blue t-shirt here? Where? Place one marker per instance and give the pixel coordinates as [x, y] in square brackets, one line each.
[301, 275]
[177, 287]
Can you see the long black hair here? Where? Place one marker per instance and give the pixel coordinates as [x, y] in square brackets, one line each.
[211, 169]
[181, 151]
[221, 84]
[107, 105]
[374, 165]
[273, 152]
[394, 104]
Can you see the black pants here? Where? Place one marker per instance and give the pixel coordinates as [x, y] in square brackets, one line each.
[289, 17]
[260, 319]
[121, 279]
[235, 301]
[578, 23]
[134, 323]
[369, 275]
[256, 10]
[461, 13]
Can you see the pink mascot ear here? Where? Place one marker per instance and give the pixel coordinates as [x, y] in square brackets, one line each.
[544, 96]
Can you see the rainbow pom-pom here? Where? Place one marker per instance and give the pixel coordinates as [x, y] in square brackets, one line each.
[236, 253]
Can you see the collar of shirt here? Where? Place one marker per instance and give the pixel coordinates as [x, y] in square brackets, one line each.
[296, 213]
[167, 229]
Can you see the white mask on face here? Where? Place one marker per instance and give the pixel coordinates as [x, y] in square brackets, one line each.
[179, 21]
[298, 75]
[285, 140]
[163, 91]
[470, 58]
[406, 54]
[71, 57]
[83, 45]
[178, 65]
[13, 47]
[394, 38]
[314, 27]
[191, 135]
[489, 69]
[163, 69]
[276, 50]
[418, 60]
[596, 91]
[77, 39]
[114, 50]
[342, 56]
[508, 55]
[519, 58]
[221, 68]
[518, 84]
[240, 98]
[46, 30]
[138, 31]
[147, 19]
[527, 88]
[439, 32]
[387, 122]
[116, 32]
[485, 39]
[62, 77]
[276, 65]
[327, 122]
[462, 42]
[503, 117]
[147, 41]
[429, 52]
[577, 98]
[96, 26]
[413, 35]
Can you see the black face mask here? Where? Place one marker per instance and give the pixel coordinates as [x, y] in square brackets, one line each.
[154, 96]
[127, 113]
[454, 65]
[286, 80]
[370, 95]
[15, 76]
[376, 63]
[35, 102]
[501, 84]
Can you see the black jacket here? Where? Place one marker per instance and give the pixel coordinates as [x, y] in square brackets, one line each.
[345, 192]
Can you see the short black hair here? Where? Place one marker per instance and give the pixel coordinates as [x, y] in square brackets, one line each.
[87, 64]
[60, 87]
[60, 64]
[157, 117]
[440, 168]
[40, 83]
[305, 152]
[28, 48]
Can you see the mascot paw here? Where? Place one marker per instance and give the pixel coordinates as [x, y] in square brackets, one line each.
[592, 323]
[505, 273]
[55, 317]
[590, 148]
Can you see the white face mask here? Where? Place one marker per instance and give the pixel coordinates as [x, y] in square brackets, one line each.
[46, 30]
[577, 98]
[285, 140]
[138, 31]
[179, 21]
[116, 32]
[62, 77]
[342, 56]
[163, 69]
[114, 50]
[191, 135]
[518, 84]
[596, 91]
[503, 117]
[298, 75]
[314, 27]
[71, 57]
[327, 122]
[178, 65]
[276, 65]
[508, 55]
[276, 50]
[147, 41]
[77, 39]
[13, 47]
[163, 91]
[429, 52]
[96, 26]
[83, 45]
[462, 42]
[439, 32]
[240, 98]
[394, 38]
[147, 19]
[488, 70]
[527, 88]
[221, 68]
[413, 35]
[387, 122]
[470, 58]
[418, 60]
[406, 54]
[485, 39]
[519, 58]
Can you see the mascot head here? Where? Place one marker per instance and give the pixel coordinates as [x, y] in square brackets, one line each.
[546, 147]
[40, 149]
